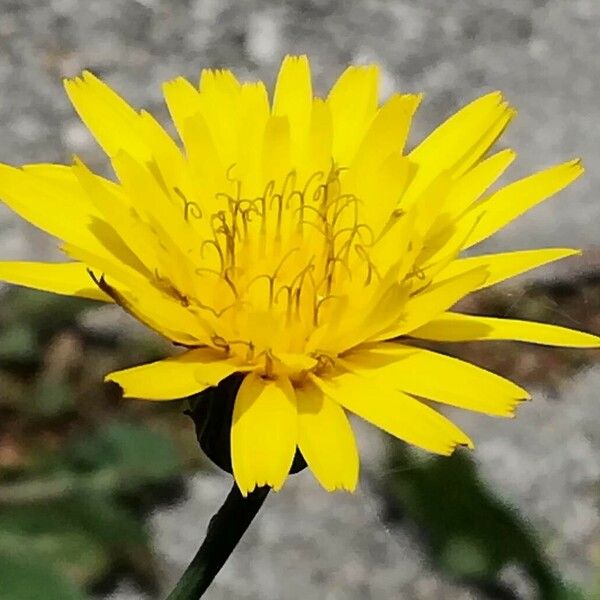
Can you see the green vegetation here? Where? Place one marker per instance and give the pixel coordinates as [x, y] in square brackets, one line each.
[79, 468]
[470, 533]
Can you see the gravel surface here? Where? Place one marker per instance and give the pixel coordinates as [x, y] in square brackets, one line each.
[547, 463]
[306, 544]
[541, 53]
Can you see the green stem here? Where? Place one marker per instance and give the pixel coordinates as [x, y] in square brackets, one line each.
[224, 532]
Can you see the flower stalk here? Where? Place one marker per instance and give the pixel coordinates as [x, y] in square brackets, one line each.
[225, 530]
[212, 413]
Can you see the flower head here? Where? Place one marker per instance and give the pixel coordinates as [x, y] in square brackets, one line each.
[292, 241]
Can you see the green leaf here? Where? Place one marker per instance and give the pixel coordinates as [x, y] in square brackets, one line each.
[50, 398]
[46, 313]
[18, 344]
[133, 451]
[30, 578]
[55, 538]
[471, 533]
[109, 523]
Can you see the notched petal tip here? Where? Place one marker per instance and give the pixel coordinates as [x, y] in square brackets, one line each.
[469, 445]
[511, 409]
[244, 490]
[339, 487]
[577, 165]
[295, 58]
[345, 487]
[85, 77]
[276, 487]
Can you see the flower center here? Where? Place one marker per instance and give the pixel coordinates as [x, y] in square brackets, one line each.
[284, 259]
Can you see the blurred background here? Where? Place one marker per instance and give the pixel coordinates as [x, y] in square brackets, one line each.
[104, 498]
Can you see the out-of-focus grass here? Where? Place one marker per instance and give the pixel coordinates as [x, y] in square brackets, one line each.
[79, 467]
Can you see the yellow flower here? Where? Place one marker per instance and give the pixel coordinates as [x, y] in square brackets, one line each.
[295, 241]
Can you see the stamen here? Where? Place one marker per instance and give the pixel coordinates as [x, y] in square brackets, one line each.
[350, 200]
[270, 279]
[220, 342]
[320, 305]
[189, 207]
[318, 202]
[216, 245]
[360, 250]
[228, 175]
[229, 281]
[301, 194]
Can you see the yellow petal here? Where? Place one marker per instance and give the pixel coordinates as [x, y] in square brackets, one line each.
[264, 432]
[386, 134]
[508, 264]
[69, 279]
[456, 327]
[320, 139]
[434, 300]
[183, 101]
[296, 362]
[220, 100]
[436, 377]
[511, 201]
[162, 313]
[381, 190]
[175, 377]
[468, 188]
[326, 440]
[293, 99]
[395, 412]
[51, 198]
[277, 151]
[201, 149]
[111, 265]
[150, 200]
[117, 229]
[255, 110]
[168, 159]
[496, 128]
[461, 138]
[380, 313]
[114, 124]
[353, 103]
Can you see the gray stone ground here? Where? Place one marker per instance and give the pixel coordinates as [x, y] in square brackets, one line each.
[547, 463]
[541, 53]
